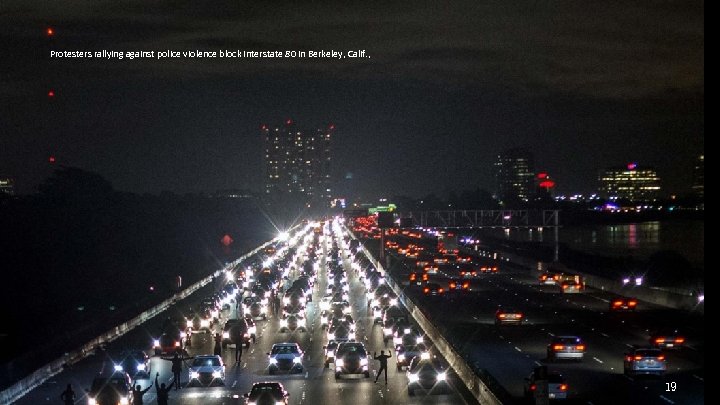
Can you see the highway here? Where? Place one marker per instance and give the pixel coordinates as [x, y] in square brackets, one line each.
[316, 385]
[509, 353]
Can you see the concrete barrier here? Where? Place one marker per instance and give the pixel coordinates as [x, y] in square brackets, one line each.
[472, 381]
[39, 376]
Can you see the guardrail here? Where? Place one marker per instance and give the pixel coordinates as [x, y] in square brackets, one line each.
[39, 376]
[472, 381]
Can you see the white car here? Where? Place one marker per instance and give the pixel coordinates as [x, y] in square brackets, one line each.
[207, 370]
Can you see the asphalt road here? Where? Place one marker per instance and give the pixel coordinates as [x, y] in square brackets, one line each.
[316, 386]
[509, 353]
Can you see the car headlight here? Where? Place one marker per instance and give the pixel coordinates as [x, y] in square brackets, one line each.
[401, 357]
[204, 323]
[347, 310]
[339, 363]
[91, 401]
[177, 344]
[331, 336]
[407, 331]
[217, 374]
[397, 340]
[253, 403]
[393, 301]
[118, 367]
[246, 311]
[273, 360]
[413, 377]
[141, 367]
[286, 300]
[441, 376]
[267, 294]
[323, 319]
[252, 330]
[303, 300]
[283, 323]
[124, 401]
[419, 339]
[183, 335]
[226, 335]
[330, 353]
[425, 356]
[375, 303]
[364, 362]
[301, 321]
[156, 343]
[194, 374]
[297, 360]
[388, 331]
[377, 314]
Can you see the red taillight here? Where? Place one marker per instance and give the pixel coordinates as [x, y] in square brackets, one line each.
[679, 340]
[495, 269]
[565, 286]
[502, 316]
[466, 285]
[638, 357]
[452, 285]
[659, 340]
[632, 303]
[617, 303]
[543, 277]
[413, 277]
[563, 387]
[558, 347]
[440, 290]
[426, 290]
[580, 347]
[628, 358]
[533, 387]
[661, 358]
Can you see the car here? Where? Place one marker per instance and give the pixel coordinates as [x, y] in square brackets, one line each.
[458, 285]
[330, 349]
[293, 322]
[571, 287]
[339, 332]
[252, 329]
[409, 335]
[267, 393]
[557, 385]
[623, 304]
[428, 374]
[667, 339]
[566, 348]
[112, 389]
[549, 278]
[509, 316]
[406, 353]
[135, 363]
[433, 289]
[645, 361]
[236, 328]
[170, 341]
[253, 307]
[351, 358]
[285, 357]
[207, 370]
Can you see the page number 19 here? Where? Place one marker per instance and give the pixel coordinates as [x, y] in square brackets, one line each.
[670, 386]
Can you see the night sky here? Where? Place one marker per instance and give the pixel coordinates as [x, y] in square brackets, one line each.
[585, 84]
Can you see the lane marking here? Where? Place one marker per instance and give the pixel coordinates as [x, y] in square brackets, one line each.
[698, 377]
[598, 360]
[666, 399]
[518, 349]
[537, 363]
[605, 334]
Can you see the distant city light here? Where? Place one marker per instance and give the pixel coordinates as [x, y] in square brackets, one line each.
[626, 281]
[638, 280]
[51, 93]
[49, 31]
[701, 298]
[632, 166]
[51, 159]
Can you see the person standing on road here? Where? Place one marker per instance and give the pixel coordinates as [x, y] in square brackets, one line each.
[68, 396]
[382, 358]
[177, 363]
[138, 393]
[163, 392]
[218, 345]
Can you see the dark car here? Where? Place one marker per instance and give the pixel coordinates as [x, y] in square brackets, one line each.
[267, 393]
[351, 358]
[113, 389]
[427, 374]
[170, 341]
[135, 363]
[668, 339]
[234, 329]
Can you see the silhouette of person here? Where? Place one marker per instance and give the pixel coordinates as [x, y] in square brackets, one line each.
[382, 358]
[68, 396]
[218, 345]
[138, 393]
[163, 392]
[177, 363]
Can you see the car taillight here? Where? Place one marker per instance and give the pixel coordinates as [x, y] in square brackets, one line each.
[628, 358]
[543, 278]
[533, 387]
[580, 347]
[565, 286]
[563, 387]
[452, 285]
[659, 340]
[502, 316]
[558, 347]
[441, 290]
[638, 357]
[466, 285]
[632, 303]
[426, 290]
[679, 340]
[617, 303]
[661, 358]
[495, 269]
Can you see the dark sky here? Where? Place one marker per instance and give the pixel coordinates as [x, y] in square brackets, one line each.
[585, 84]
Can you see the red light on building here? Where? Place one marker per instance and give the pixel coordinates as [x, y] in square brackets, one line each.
[332, 126]
[226, 240]
[49, 31]
[51, 93]
[288, 122]
[547, 184]
[632, 166]
[51, 159]
[542, 175]
[263, 127]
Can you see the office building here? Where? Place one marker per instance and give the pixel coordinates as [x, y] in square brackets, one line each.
[514, 175]
[631, 183]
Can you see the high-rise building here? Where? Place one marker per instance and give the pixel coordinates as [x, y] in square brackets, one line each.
[514, 175]
[632, 183]
[297, 162]
[7, 185]
[698, 184]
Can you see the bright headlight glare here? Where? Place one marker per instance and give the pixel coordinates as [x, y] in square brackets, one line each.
[407, 331]
[401, 357]
[141, 367]
[279, 403]
[388, 331]
[156, 343]
[91, 401]
[217, 374]
[194, 374]
[413, 377]
[226, 335]
[273, 360]
[331, 336]
[364, 362]
[441, 376]
[419, 339]
[297, 360]
[204, 323]
[339, 363]
[118, 367]
[394, 301]
[124, 401]
[425, 356]
[283, 323]
[331, 353]
[183, 335]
